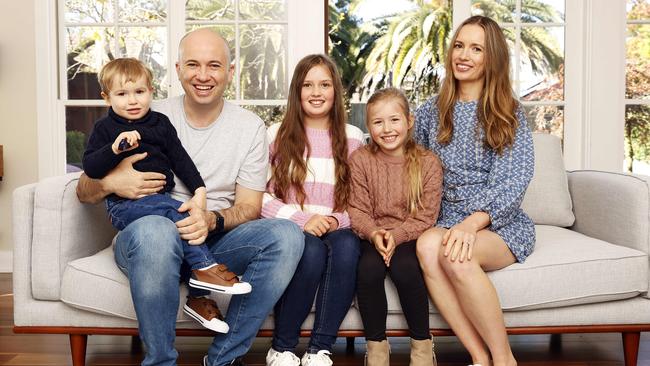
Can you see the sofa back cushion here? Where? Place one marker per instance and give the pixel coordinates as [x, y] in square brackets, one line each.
[64, 230]
[547, 200]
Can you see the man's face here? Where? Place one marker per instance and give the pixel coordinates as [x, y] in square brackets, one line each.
[203, 68]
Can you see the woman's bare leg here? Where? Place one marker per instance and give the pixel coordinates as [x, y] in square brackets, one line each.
[477, 295]
[444, 295]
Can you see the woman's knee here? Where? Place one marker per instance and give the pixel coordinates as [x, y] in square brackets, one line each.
[427, 249]
[457, 271]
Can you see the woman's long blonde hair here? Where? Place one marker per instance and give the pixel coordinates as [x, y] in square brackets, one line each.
[412, 151]
[497, 104]
[288, 164]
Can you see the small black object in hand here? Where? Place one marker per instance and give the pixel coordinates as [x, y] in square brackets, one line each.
[124, 144]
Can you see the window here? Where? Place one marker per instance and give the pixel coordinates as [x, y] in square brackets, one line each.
[637, 88]
[405, 45]
[535, 31]
[92, 33]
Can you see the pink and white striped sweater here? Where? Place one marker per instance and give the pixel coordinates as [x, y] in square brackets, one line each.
[319, 183]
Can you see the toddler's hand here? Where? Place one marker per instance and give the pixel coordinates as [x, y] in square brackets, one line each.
[132, 138]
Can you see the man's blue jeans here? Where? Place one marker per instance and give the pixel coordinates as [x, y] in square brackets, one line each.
[329, 265]
[150, 253]
[123, 212]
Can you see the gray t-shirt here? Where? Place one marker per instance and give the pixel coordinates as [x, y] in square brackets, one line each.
[232, 150]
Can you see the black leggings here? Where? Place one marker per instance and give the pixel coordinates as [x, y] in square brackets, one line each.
[406, 275]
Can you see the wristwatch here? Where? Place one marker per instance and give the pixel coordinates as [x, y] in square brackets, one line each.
[219, 221]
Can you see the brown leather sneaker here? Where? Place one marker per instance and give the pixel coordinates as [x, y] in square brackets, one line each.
[206, 312]
[219, 278]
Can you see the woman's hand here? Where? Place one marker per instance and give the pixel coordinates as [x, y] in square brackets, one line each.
[459, 241]
[317, 225]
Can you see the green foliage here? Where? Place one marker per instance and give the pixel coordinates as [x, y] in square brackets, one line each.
[637, 117]
[75, 144]
[350, 43]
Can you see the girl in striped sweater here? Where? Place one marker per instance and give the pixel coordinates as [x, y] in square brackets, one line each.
[310, 185]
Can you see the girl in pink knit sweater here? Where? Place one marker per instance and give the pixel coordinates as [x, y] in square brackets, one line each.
[396, 192]
[310, 185]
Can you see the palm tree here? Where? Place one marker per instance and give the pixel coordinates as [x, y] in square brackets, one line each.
[411, 49]
[350, 42]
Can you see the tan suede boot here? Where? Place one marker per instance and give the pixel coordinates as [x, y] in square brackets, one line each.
[422, 353]
[377, 353]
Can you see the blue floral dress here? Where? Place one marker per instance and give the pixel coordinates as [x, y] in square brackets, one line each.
[476, 178]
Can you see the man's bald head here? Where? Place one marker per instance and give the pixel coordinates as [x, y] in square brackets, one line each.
[203, 36]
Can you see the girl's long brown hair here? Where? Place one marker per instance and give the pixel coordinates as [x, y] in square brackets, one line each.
[412, 151]
[496, 107]
[288, 163]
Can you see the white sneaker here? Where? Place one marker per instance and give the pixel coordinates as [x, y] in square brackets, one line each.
[286, 358]
[322, 358]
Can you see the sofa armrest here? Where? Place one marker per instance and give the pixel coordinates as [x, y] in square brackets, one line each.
[64, 229]
[22, 219]
[613, 207]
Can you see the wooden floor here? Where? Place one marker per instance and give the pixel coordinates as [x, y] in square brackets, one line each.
[530, 350]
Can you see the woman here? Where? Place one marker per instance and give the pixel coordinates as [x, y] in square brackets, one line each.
[479, 131]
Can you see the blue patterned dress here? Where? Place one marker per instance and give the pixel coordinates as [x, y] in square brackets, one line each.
[476, 178]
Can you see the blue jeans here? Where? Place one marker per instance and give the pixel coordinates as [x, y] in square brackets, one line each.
[123, 212]
[329, 265]
[150, 253]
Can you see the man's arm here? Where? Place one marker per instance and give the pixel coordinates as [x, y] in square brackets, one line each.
[247, 207]
[195, 228]
[123, 180]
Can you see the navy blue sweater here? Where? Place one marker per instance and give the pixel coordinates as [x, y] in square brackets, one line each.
[165, 153]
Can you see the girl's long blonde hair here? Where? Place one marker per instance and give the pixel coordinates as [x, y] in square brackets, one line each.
[497, 104]
[412, 151]
[288, 163]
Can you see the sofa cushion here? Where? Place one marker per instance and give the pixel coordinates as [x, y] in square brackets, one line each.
[96, 284]
[57, 240]
[547, 200]
[566, 268]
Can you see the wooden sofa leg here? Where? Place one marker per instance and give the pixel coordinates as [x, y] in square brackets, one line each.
[349, 345]
[78, 348]
[631, 347]
[136, 344]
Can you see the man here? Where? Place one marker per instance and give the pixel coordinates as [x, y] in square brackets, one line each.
[228, 146]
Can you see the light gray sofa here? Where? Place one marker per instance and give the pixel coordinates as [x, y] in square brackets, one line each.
[589, 271]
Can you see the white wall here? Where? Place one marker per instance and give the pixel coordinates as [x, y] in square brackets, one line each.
[18, 133]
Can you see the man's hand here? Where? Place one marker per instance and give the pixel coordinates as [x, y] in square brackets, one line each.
[317, 225]
[127, 182]
[123, 180]
[194, 228]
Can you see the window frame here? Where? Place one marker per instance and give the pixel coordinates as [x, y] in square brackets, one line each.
[50, 101]
[594, 99]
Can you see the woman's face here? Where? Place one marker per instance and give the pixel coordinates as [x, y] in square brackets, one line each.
[468, 54]
[317, 95]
